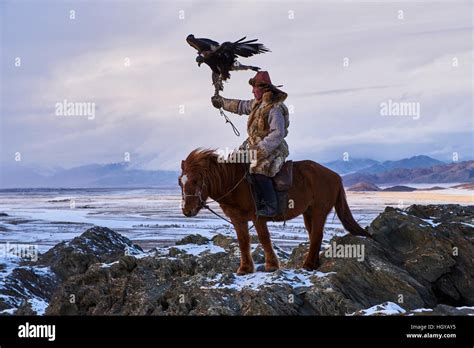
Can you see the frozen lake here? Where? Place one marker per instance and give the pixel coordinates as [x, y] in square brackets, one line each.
[152, 217]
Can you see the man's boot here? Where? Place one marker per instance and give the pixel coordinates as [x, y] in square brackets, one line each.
[266, 200]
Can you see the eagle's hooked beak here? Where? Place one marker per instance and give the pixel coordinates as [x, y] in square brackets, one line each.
[199, 60]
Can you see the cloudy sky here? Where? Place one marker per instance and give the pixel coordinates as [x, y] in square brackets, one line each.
[338, 61]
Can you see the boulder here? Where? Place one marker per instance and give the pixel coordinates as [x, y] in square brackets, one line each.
[375, 279]
[97, 244]
[434, 245]
[193, 239]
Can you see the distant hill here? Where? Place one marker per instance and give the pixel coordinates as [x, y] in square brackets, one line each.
[351, 166]
[88, 176]
[399, 188]
[371, 166]
[445, 173]
[468, 186]
[363, 187]
[407, 163]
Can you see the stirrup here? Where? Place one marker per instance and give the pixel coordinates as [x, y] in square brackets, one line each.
[266, 211]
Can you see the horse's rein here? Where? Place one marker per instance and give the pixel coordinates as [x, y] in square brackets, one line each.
[231, 190]
[205, 204]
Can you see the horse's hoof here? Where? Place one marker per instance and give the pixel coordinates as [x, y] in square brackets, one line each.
[243, 270]
[311, 266]
[271, 267]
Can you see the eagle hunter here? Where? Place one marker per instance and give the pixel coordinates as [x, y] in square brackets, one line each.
[222, 58]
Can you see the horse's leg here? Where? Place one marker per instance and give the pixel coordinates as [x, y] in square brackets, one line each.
[308, 224]
[318, 220]
[243, 236]
[307, 220]
[271, 260]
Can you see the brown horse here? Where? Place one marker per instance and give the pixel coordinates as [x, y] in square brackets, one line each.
[315, 191]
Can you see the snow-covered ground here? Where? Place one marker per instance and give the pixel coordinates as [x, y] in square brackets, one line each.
[258, 280]
[152, 217]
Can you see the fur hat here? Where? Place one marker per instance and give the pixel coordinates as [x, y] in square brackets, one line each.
[263, 81]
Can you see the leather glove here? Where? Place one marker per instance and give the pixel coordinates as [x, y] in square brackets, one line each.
[217, 101]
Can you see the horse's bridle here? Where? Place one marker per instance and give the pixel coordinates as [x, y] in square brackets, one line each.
[203, 204]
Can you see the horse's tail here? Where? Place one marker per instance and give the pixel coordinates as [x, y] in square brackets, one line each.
[344, 214]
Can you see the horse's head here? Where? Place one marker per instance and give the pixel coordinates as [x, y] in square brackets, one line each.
[194, 191]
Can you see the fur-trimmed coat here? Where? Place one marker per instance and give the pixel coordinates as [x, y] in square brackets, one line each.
[267, 126]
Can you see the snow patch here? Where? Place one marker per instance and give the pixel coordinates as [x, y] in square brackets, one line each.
[421, 310]
[8, 311]
[108, 265]
[38, 305]
[195, 249]
[465, 307]
[386, 308]
[430, 222]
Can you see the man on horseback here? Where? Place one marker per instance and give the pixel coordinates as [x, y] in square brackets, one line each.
[267, 127]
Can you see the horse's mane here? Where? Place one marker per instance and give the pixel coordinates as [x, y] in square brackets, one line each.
[204, 161]
[199, 159]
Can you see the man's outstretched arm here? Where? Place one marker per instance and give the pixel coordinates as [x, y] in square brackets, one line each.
[233, 105]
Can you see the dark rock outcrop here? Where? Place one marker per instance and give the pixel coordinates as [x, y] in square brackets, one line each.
[98, 244]
[30, 284]
[435, 246]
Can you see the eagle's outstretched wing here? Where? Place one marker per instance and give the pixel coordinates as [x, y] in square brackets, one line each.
[242, 48]
[249, 48]
[202, 44]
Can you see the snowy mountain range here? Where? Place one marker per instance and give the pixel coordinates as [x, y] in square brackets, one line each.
[409, 170]
[93, 175]
[370, 166]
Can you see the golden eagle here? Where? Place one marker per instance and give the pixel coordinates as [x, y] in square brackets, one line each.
[222, 58]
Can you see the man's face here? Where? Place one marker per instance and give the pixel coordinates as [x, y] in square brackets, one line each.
[257, 92]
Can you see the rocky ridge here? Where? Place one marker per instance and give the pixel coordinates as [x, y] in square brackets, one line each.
[419, 262]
